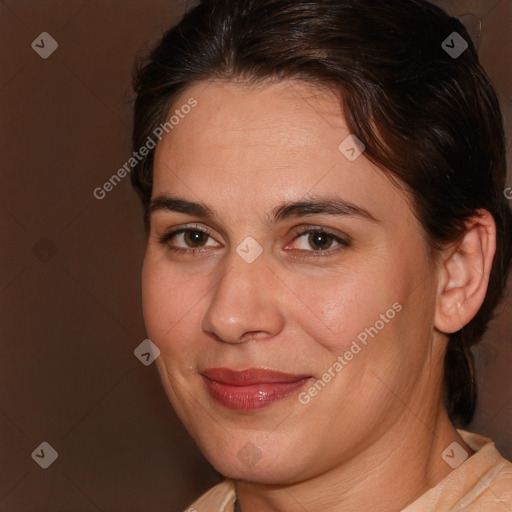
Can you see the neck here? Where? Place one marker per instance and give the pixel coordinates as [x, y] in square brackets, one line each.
[392, 473]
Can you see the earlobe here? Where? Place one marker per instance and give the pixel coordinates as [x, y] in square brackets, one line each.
[464, 274]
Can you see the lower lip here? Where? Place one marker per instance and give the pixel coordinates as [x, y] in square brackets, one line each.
[253, 396]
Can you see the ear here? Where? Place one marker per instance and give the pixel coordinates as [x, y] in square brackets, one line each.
[464, 274]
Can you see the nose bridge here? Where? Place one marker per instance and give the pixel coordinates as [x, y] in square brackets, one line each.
[243, 299]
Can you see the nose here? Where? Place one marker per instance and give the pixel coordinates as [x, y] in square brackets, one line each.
[244, 302]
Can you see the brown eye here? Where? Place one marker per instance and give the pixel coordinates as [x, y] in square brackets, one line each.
[320, 240]
[188, 240]
[317, 240]
[195, 238]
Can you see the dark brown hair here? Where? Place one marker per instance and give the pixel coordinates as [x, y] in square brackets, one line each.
[429, 119]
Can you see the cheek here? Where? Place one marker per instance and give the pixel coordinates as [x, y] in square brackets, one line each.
[168, 301]
[154, 298]
[340, 306]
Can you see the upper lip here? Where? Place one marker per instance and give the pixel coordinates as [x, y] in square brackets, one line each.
[250, 376]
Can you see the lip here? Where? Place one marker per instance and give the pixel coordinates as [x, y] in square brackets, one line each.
[251, 388]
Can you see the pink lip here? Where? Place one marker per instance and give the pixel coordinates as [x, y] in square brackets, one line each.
[249, 389]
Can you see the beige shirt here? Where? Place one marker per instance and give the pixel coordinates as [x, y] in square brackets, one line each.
[483, 483]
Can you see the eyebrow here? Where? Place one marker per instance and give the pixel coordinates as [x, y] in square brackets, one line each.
[312, 206]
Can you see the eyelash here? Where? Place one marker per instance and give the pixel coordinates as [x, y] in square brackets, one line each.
[164, 240]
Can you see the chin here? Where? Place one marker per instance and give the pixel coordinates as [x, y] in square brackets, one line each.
[254, 458]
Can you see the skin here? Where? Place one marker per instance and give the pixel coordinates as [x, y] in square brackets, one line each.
[376, 432]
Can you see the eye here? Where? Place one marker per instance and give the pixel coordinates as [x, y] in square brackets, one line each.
[186, 240]
[320, 240]
[193, 240]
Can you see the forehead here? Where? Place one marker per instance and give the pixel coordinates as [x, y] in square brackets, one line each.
[244, 108]
[264, 144]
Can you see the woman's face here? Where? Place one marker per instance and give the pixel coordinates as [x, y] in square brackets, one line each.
[345, 312]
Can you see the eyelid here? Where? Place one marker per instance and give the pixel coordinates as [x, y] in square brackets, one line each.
[310, 228]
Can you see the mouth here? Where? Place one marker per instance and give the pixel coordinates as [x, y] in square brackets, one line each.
[252, 388]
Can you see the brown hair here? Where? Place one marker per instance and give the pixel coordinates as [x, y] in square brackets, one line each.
[427, 118]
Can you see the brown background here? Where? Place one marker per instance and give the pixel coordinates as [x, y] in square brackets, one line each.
[70, 266]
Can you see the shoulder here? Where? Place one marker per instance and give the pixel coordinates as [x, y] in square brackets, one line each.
[499, 482]
[220, 498]
[494, 490]
[481, 482]
[490, 474]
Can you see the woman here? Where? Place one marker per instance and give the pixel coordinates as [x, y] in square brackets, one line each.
[327, 238]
